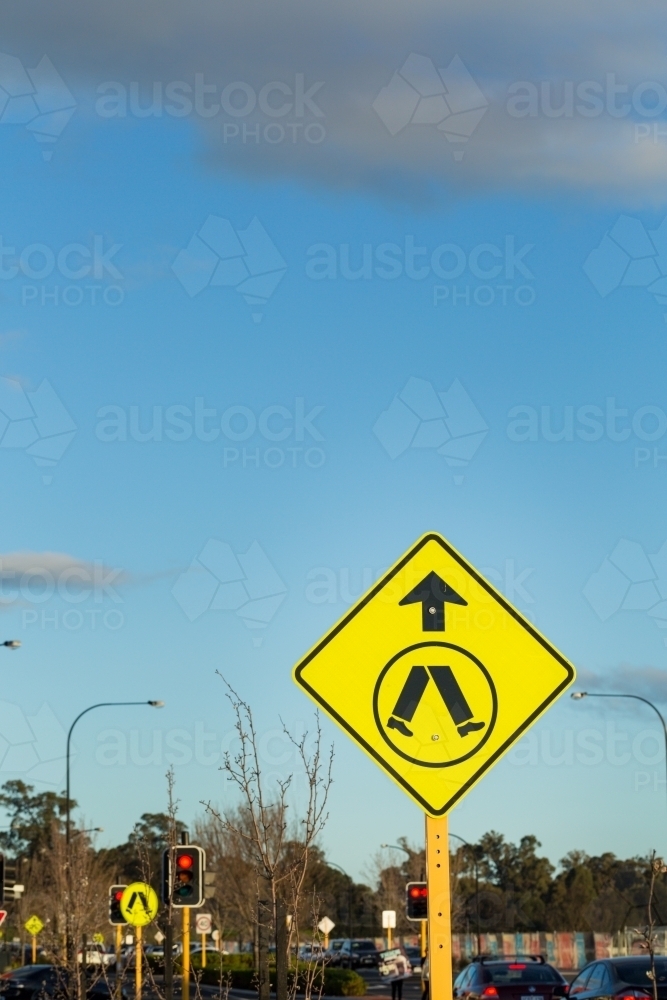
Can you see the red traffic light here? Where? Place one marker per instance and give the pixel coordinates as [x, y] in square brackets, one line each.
[118, 895]
[418, 892]
[184, 861]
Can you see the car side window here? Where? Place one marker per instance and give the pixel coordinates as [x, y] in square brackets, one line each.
[459, 979]
[607, 984]
[595, 979]
[581, 982]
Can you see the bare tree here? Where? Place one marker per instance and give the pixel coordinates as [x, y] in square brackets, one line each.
[647, 933]
[274, 850]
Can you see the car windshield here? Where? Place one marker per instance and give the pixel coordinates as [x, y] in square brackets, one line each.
[637, 973]
[363, 946]
[336, 945]
[522, 972]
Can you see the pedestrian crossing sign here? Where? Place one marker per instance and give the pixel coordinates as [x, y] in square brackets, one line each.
[434, 674]
[139, 904]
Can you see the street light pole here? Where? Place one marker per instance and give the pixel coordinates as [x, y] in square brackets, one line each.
[101, 704]
[349, 896]
[474, 858]
[578, 695]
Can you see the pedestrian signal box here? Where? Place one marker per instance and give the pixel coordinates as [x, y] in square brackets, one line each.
[416, 901]
[115, 896]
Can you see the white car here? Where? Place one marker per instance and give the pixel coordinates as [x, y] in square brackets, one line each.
[98, 954]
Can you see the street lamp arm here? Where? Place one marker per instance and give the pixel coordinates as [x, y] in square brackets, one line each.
[100, 704]
[637, 697]
[578, 695]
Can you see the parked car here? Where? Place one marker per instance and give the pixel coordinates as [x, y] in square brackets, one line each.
[618, 978]
[521, 978]
[98, 954]
[414, 954]
[311, 952]
[332, 953]
[39, 982]
[356, 953]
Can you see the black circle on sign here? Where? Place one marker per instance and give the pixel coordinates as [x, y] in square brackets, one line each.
[478, 663]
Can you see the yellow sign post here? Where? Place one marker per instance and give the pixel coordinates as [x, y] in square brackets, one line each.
[185, 984]
[34, 925]
[435, 675]
[139, 906]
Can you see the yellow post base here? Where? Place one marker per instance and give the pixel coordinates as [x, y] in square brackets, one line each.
[137, 963]
[34, 949]
[439, 909]
[203, 951]
[185, 986]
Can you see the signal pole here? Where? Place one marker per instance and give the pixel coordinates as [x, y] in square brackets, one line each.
[185, 988]
[439, 908]
[137, 963]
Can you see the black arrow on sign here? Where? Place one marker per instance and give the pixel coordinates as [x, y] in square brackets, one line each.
[433, 593]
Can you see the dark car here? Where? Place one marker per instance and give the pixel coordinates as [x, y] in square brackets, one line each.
[414, 954]
[32, 982]
[621, 978]
[332, 953]
[528, 978]
[358, 953]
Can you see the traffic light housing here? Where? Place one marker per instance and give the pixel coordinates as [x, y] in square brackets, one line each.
[115, 896]
[416, 900]
[183, 879]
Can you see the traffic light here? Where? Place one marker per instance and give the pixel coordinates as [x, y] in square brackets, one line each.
[416, 900]
[184, 885]
[115, 896]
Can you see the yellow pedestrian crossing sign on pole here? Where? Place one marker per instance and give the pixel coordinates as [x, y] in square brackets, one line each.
[434, 674]
[139, 904]
[34, 925]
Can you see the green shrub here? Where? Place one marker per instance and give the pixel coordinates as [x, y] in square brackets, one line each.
[337, 982]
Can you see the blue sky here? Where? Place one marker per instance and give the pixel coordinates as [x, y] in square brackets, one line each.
[494, 292]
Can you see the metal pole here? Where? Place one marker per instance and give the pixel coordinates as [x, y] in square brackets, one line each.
[34, 949]
[475, 862]
[119, 978]
[138, 953]
[185, 987]
[169, 959]
[68, 859]
[281, 950]
[84, 952]
[203, 951]
[439, 908]
[578, 695]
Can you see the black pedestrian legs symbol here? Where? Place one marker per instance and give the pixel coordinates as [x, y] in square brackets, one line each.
[141, 896]
[450, 692]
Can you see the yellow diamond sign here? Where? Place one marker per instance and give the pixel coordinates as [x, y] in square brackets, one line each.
[34, 925]
[434, 674]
